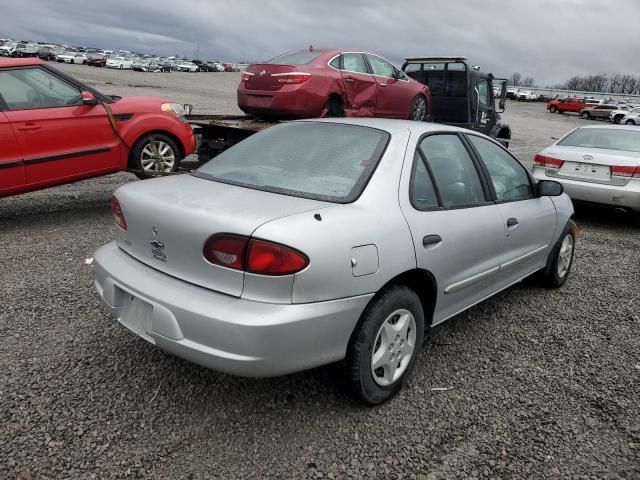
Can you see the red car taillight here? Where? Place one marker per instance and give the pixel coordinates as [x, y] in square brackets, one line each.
[246, 76]
[253, 256]
[117, 213]
[548, 162]
[291, 77]
[624, 171]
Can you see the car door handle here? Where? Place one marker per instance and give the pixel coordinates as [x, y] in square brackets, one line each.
[29, 126]
[348, 79]
[382, 84]
[431, 240]
[512, 222]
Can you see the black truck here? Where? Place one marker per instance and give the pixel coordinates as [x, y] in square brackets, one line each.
[461, 95]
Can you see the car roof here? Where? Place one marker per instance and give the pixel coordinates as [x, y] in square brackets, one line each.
[390, 125]
[611, 127]
[19, 62]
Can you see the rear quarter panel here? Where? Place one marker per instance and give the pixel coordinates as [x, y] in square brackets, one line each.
[374, 219]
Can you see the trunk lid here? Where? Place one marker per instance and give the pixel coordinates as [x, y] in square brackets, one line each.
[262, 79]
[592, 164]
[169, 220]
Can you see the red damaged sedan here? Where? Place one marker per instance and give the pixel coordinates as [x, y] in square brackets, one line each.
[331, 83]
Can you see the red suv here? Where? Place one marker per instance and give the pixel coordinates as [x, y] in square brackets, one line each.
[56, 130]
[319, 83]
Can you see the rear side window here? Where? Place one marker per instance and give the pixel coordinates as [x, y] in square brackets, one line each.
[29, 88]
[354, 62]
[324, 161]
[510, 179]
[422, 193]
[453, 171]
[296, 58]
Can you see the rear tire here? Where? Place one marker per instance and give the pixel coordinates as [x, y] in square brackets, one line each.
[389, 334]
[147, 163]
[629, 122]
[419, 107]
[334, 108]
[560, 260]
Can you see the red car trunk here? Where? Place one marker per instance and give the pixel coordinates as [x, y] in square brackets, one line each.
[262, 76]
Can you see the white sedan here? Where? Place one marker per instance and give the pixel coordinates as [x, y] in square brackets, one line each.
[72, 57]
[119, 62]
[596, 164]
[186, 67]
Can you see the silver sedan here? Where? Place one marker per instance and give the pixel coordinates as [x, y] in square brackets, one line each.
[324, 241]
[596, 164]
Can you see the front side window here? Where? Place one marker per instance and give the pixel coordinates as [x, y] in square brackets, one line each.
[381, 67]
[324, 161]
[483, 92]
[510, 179]
[29, 88]
[453, 171]
[354, 62]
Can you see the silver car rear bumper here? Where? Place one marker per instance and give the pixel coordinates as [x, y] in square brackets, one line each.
[225, 333]
[627, 196]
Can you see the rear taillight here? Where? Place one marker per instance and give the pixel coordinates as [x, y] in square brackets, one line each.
[226, 250]
[548, 162]
[253, 256]
[246, 76]
[625, 171]
[117, 213]
[268, 258]
[291, 77]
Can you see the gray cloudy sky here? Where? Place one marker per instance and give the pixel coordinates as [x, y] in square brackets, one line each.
[549, 39]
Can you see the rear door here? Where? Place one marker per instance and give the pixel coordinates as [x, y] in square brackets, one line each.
[360, 85]
[529, 221]
[12, 176]
[457, 231]
[395, 92]
[60, 138]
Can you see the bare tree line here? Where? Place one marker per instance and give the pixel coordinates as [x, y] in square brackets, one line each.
[618, 83]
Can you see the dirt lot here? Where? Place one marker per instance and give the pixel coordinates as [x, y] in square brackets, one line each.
[544, 384]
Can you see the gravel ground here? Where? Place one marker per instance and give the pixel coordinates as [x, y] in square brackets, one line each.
[544, 384]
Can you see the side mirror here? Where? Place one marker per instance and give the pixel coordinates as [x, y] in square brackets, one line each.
[88, 98]
[188, 108]
[549, 188]
[501, 105]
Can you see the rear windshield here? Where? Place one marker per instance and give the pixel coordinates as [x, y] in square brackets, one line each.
[324, 161]
[612, 139]
[296, 58]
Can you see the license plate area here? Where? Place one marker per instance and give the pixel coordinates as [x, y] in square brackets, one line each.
[137, 316]
[588, 171]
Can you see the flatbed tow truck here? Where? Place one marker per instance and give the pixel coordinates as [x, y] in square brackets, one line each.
[461, 96]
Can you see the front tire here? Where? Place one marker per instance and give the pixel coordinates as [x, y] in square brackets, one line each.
[560, 260]
[155, 154]
[629, 122]
[553, 109]
[418, 111]
[586, 115]
[384, 346]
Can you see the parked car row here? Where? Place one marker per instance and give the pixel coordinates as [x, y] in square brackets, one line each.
[591, 109]
[113, 59]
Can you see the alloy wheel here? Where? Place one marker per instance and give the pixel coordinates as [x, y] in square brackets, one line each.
[157, 156]
[418, 108]
[394, 347]
[565, 255]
